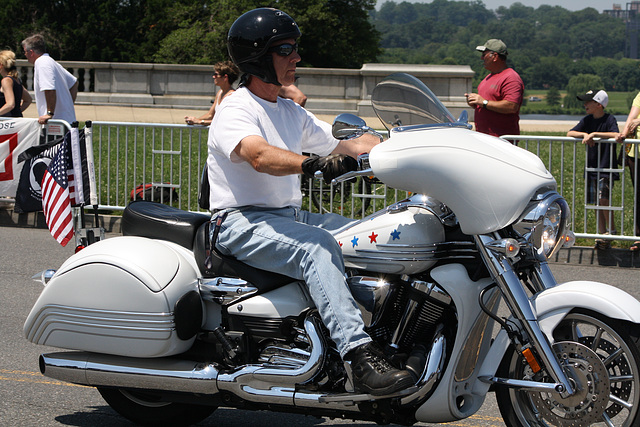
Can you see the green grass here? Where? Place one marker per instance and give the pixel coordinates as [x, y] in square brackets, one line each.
[128, 156]
[619, 103]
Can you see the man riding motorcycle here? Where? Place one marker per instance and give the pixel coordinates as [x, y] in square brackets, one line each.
[255, 145]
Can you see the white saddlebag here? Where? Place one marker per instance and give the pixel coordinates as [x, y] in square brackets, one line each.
[129, 296]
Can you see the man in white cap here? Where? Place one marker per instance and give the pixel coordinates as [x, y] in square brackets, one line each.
[497, 103]
[598, 124]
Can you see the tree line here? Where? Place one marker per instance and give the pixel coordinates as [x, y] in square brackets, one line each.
[336, 33]
[548, 45]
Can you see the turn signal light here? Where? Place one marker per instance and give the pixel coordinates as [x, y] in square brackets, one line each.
[569, 239]
[507, 247]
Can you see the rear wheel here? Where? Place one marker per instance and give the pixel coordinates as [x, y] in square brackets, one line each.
[601, 357]
[148, 409]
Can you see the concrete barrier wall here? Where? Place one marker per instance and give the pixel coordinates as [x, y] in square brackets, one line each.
[330, 90]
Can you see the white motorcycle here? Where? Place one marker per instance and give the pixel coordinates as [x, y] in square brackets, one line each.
[168, 330]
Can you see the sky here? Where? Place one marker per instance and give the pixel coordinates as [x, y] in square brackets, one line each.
[572, 5]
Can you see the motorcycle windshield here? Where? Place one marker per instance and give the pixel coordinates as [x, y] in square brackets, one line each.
[485, 180]
[402, 100]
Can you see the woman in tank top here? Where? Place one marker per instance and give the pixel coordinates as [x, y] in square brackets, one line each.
[14, 98]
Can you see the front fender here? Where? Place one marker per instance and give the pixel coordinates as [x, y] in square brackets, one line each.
[553, 304]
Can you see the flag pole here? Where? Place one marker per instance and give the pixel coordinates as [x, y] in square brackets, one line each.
[93, 195]
[77, 168]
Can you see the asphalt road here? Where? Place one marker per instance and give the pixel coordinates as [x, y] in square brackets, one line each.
[29, 399]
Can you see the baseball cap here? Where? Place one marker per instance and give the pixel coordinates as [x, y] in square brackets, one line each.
[494, 45]
[600, 97]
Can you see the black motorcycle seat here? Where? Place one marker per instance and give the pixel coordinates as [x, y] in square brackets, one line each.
[191, 230]
[226, 266]
[159, 221]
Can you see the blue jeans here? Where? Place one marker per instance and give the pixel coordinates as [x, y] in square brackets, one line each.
[300, 245]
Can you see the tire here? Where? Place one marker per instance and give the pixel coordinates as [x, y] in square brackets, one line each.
[147, 409]
[599, 351]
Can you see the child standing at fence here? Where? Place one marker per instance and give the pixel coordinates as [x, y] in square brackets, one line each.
[598, 124]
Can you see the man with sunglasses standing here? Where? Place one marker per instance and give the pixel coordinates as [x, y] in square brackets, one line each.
[497, 103]
[254, 166]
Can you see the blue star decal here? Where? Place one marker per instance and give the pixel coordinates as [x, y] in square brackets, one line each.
[354, 241]
[395, 235]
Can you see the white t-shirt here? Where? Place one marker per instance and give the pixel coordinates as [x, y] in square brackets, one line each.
[49, 75]
[283, 124]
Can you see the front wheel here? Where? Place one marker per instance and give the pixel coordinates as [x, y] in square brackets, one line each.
[148, 409]
[601, 357]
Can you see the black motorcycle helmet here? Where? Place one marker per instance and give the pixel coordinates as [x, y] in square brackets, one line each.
[252, 34]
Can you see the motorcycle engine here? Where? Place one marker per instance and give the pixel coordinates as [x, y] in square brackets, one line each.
[400, 313]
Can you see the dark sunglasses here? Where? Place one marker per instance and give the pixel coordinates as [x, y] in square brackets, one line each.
[284, 49]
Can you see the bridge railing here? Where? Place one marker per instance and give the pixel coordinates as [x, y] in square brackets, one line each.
[169, 158]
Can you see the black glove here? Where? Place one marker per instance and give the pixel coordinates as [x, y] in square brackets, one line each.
[331, 166]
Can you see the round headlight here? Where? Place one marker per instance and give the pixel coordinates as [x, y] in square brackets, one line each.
[552, 229]
[544, 223]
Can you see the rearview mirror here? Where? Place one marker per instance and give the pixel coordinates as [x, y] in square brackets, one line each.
[348, 126]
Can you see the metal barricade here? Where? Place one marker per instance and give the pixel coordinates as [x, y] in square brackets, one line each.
[168, 159]
[164, 159]
[130, 156]
[50, 131]
[566, 158]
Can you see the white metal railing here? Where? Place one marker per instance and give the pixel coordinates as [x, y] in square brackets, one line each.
[172, 156]
[163, 155]
[566, 157]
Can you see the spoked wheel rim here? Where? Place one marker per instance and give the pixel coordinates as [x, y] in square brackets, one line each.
[614, 402]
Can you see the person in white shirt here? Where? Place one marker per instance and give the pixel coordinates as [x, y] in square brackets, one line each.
[55, 87]
[255, 159]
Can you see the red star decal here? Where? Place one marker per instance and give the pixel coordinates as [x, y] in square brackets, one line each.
[372, 238]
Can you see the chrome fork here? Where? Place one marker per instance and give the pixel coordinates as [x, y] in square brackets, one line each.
[518, 301]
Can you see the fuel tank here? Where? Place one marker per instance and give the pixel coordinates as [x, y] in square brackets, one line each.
[400, 239]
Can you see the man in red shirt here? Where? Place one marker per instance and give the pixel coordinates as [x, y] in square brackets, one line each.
[497, 103]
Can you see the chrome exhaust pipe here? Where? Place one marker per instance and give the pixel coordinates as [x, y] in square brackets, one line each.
[273, 385]
[102, 370]
[259, 383]
[253, 382]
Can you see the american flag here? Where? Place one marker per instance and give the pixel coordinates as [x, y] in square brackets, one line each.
[55, 197]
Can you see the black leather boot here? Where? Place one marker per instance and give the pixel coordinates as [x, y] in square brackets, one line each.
[373, 374]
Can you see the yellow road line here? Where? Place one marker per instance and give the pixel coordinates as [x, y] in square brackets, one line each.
[43, 379]
[9, 371]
